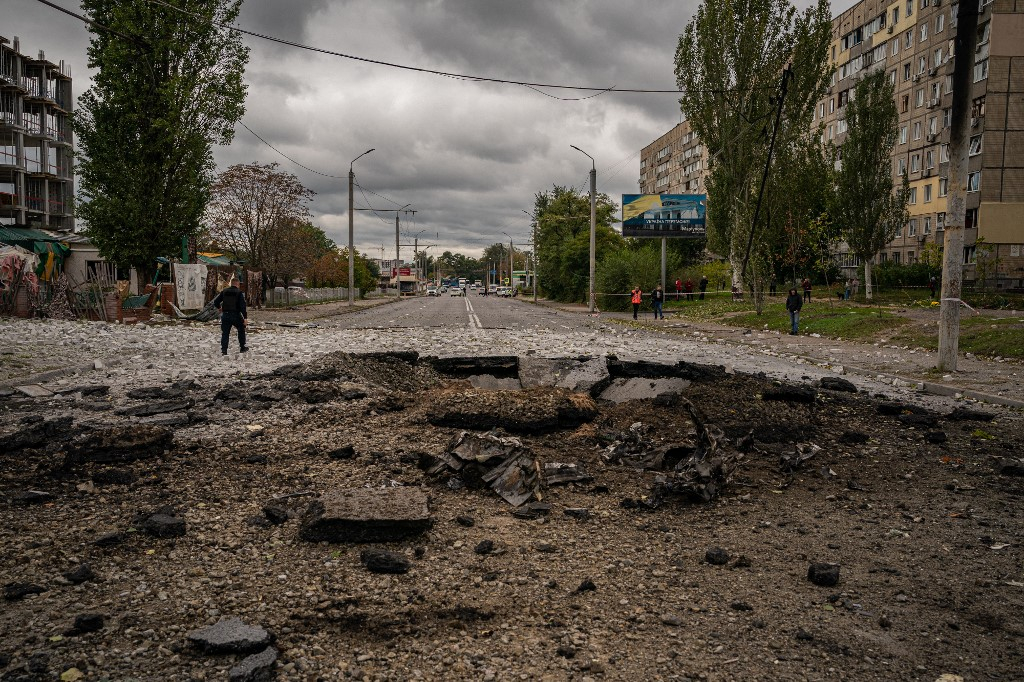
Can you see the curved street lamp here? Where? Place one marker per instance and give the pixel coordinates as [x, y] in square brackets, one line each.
[351, 231]
[593, 221]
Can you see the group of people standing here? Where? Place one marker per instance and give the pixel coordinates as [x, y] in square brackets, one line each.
[684, 291]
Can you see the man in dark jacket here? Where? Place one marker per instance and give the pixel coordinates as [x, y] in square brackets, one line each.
[231, 303]
[793, 304]
[703, 286]
[657, 300]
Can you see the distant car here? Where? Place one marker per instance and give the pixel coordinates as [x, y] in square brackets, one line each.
[433, 291]
[442, 290]
[492, 289]
[456, 291]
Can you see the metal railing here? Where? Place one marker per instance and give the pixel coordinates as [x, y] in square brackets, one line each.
[280, 297]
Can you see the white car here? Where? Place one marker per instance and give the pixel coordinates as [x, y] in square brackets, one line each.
[433, 291]
[456, 291]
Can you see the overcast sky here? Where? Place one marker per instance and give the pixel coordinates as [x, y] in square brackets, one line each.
[468, 156]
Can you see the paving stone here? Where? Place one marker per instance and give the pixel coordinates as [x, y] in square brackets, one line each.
[229, 636]
[367, 515]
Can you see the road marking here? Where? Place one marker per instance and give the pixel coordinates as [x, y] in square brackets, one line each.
[474, 321]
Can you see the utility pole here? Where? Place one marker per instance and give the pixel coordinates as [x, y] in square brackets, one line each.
[956, 211]
[351, 231]
[593, 223]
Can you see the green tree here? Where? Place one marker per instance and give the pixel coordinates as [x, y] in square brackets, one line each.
[623, 269]
[167, 87]
[865, 207]
[728, 64]
[563, 240]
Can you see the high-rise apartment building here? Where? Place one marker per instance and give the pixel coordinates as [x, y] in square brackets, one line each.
[36, 182]
[913, 40]
[675, 163]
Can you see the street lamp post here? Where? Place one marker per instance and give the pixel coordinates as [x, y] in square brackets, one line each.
[398, 254]
[351, 231]
[593, 221]
[511, 265]
[534, 221]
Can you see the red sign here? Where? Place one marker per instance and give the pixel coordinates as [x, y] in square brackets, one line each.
[404, 271]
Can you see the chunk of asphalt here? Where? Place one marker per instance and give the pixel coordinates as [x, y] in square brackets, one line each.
[229, 636]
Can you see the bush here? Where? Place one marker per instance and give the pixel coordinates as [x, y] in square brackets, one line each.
[622, 270]
[890, 275]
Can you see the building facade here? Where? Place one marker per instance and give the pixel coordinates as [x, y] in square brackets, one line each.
[913, 40]
[675, 163]
[36, 169]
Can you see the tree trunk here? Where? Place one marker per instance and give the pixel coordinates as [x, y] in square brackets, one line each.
[867, 279]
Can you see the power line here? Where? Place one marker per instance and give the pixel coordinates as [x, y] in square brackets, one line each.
[420, 69]
[311, 170]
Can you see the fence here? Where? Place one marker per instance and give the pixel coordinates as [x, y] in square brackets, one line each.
[281, 297]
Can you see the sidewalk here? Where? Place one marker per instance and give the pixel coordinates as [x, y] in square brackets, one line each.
[988, 380]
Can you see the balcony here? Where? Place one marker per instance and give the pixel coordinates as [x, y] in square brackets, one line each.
[35, 203]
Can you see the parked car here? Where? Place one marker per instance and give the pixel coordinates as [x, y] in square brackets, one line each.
[492, 289]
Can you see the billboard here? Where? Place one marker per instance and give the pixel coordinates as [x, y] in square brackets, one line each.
[664, 215]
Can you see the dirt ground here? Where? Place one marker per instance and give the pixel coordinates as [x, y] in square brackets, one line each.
[926, 532]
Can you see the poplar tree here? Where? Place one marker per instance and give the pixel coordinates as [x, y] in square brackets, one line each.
[729, 63]
[168, 86]
[866, 208]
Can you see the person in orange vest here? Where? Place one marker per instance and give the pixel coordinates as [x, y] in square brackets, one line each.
[638, 296]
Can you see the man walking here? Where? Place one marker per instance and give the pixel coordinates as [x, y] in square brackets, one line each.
[657, 299]
[793, 304]
[231, 303]
[703, 286]
[807, 289]
[638, 296]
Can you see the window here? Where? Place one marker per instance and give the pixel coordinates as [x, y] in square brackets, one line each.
[917, 130]
[974, 181]
[929, 159]
[937, 59]
[948, 85]
[940, 221]
[975, 147]
[943, 188]
[927, 196]
[978, 107]
[919, 98]
[910, 8]
[933, 125]
[922, 64]
[905, 104]
[831, 132]
[822, 111]
[947, 117]
[981, 71]
[894, 47]
[844, 97]
[969, 254]
[924, 33]
[910, 258]
[954, 9]
[934, 90]
[841, 126]
[912, 230]
[902, 167]
[906, 72]
[908, 39]
[915, 163]
[896, 257]
[924, 3]
[899, 233]
[895, 14]
[928, 223]
[892, 77]
[944, 153]
[832, 105]
[940, 23]
[970, 218]
[903, 134]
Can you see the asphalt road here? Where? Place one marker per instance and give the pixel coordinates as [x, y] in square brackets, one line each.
[454, 313]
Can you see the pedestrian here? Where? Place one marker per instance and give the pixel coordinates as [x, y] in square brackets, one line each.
[932, 285]
[703, 286]
[657, 299]
[793, 304]
[806, 284]
[856, 286]
[638, 296]
[772, 287]
[849, 285]
[688, 288]
[679, 287]
[231, 303]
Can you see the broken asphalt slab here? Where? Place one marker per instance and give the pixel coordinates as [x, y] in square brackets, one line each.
[367, 515]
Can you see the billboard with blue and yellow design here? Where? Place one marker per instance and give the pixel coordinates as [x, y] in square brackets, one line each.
[664, 215]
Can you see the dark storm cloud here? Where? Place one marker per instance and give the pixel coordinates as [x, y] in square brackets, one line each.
[469, 156]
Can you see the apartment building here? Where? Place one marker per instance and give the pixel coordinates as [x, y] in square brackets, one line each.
[675, 163]
[913, 40]
[36, 181]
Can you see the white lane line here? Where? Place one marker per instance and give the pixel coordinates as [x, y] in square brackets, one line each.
[474, 321]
